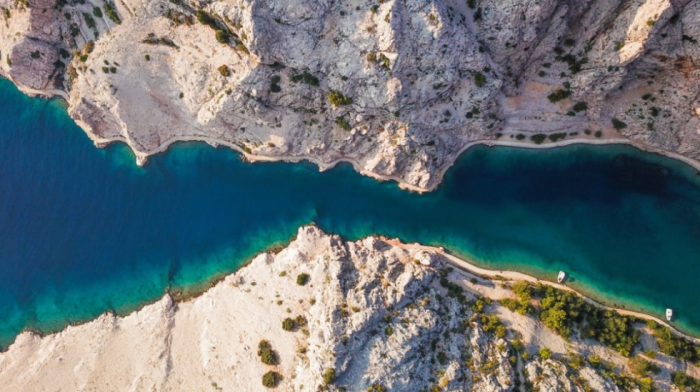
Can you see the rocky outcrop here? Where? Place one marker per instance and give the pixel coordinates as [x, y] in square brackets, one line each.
[399, 87]
[368, 310]
[372, 315]
[555, 376]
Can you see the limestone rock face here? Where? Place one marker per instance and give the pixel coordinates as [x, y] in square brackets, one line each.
[367, 310]
[399, 88]
[554, 376]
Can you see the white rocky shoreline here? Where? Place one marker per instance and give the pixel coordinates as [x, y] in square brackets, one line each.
[376, 311]
[413, 82]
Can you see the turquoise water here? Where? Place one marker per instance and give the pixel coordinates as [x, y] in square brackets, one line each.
[84, 230]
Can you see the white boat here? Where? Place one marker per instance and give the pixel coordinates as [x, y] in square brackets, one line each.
[669, 314]
[561, 276]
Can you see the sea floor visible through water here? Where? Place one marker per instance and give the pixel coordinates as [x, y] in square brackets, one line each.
[84, 230]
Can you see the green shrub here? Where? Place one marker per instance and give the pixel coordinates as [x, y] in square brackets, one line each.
[598, 134]
[329, 376]
[89, 21]
[222, 36]
[343, 123]
[274, 84]
[372, 57]
[479, 79]
[288, 324]
[147, 57]
[676, 346]
[538, 138]
[266, 354]
[555, 137]
[338, 99]
[305, 77]
[520, 136]
[580, 106]
[639, 366]
[559, 95]
[271, 379]
[112, 12]
[97, 12]
[683, 382]
[545, 353]
[389, 330]
[204, 18]
[303, 279]
[224, 71]
[618, 124]
[471, 4]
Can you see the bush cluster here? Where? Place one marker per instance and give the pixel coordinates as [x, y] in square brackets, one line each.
[618, 124]
[266, 354]
[561, 309]
[559, 95]
[112, 12]
[343, 123]
[305, 77]
[675, 346]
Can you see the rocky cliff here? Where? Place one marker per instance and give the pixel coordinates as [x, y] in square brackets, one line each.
[331, 315]
[398, 87]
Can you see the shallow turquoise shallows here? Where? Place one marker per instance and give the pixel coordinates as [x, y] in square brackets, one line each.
[84, 230]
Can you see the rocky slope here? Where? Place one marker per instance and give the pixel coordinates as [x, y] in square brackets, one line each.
[380, 316]
[398, 87]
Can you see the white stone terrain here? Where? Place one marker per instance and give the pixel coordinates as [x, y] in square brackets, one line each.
[375, 312]
[418, 81]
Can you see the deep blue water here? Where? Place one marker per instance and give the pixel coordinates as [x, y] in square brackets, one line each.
[84, 230]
